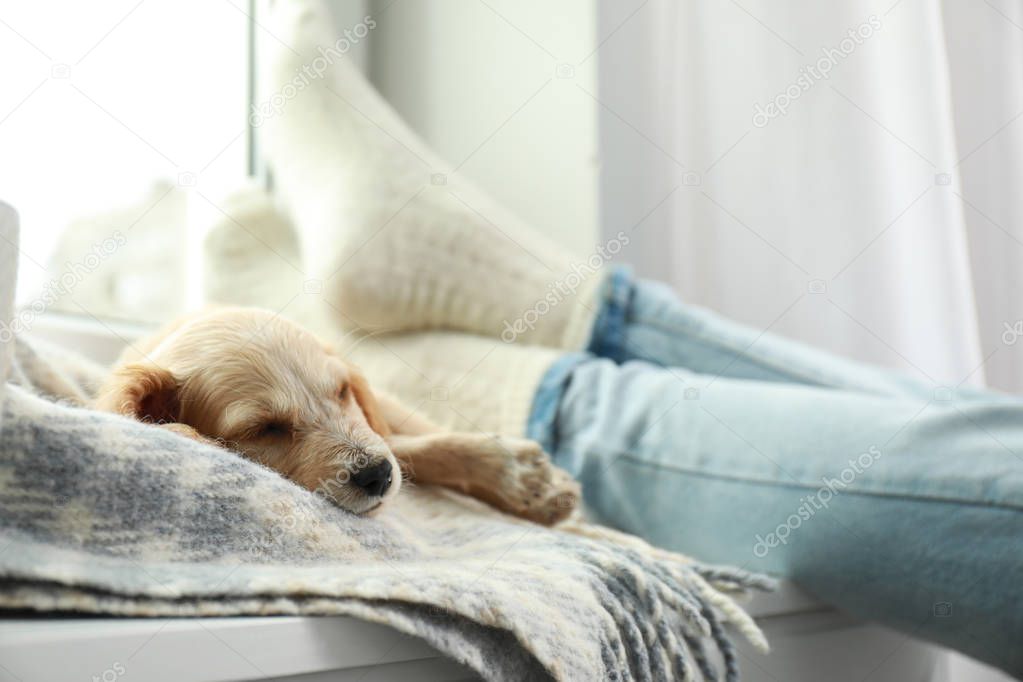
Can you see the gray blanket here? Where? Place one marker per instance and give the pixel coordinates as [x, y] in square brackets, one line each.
[101, 514]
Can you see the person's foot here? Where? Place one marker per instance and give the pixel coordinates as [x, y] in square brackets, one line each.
[398, 239]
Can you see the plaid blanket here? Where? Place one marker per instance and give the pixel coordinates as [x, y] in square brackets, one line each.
[100, 514]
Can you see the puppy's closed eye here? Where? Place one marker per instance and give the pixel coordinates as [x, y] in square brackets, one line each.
[272, 430]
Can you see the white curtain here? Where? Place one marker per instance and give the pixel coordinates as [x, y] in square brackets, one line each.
[878, 215]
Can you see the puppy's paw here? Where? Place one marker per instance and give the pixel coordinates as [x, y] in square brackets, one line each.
[530, 486]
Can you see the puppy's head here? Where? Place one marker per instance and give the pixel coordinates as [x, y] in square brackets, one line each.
[270, 391]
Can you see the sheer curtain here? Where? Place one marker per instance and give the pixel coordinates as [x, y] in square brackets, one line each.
[847, 174]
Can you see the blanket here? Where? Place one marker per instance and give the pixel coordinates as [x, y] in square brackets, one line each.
[103, 515]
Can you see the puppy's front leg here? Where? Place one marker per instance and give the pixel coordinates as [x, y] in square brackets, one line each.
[511, 474]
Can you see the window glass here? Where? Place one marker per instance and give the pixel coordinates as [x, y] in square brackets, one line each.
[121, 125]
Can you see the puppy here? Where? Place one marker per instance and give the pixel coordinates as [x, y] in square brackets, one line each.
[267, 389]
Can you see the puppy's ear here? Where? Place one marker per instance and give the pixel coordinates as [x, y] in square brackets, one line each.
[141, 390]
[367, 402]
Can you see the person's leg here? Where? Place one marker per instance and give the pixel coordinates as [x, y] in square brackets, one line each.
[903, 511]
[645, 320]
[399, 240]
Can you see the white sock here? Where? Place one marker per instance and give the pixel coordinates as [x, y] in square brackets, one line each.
[251, 257]
[395, 250]
[250, 252]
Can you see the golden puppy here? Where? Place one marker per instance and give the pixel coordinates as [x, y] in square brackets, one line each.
[266, 388]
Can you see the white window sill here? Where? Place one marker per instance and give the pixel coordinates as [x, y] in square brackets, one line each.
[215, 650]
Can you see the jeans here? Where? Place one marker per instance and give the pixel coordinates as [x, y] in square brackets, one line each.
[892, 499]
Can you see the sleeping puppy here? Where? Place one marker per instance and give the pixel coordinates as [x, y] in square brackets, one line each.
[269, 390]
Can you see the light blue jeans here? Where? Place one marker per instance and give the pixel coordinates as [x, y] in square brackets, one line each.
[895, 500]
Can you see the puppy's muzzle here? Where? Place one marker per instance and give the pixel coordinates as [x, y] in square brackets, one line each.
[375, 479]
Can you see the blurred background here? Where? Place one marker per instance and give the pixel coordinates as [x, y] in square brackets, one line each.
[842, 173]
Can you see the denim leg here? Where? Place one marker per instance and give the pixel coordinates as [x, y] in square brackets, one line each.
[904, 511]
[645, 320]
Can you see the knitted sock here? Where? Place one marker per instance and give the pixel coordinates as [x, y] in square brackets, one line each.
[398, 240]
[251, 257]
[250, 252]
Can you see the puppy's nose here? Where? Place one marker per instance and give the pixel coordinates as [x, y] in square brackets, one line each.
[374, 480]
